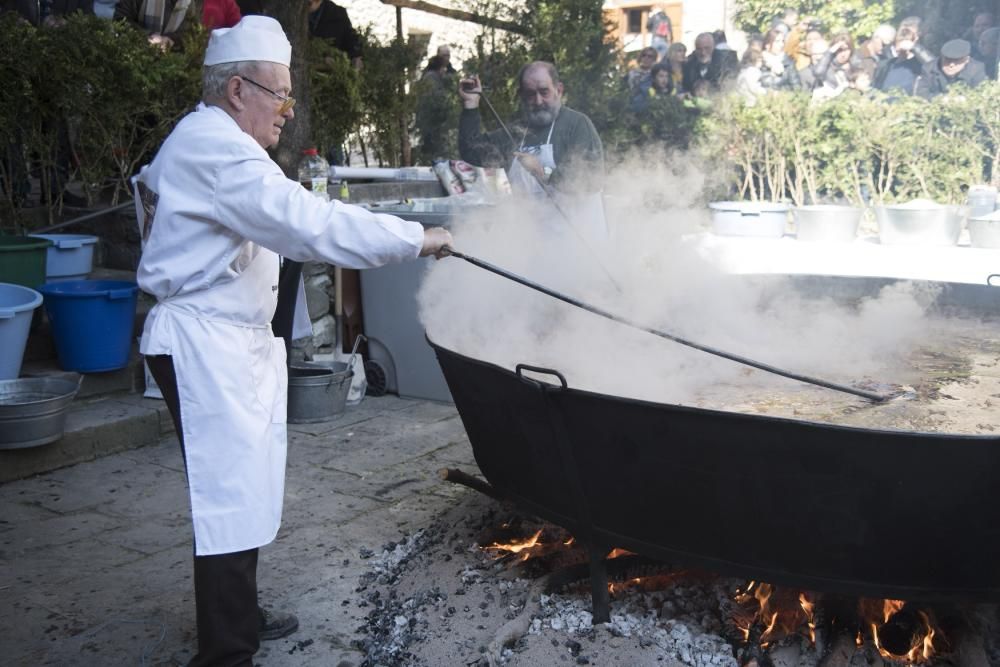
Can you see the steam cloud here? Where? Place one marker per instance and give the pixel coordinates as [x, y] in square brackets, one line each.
[666, 283]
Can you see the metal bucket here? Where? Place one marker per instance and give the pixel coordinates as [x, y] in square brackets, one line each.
[317, 392]
[984, 232]
[33, 410]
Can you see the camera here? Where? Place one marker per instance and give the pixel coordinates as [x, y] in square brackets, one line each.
[468, 86]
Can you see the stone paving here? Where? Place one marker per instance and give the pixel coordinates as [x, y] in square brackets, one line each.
[95, 559]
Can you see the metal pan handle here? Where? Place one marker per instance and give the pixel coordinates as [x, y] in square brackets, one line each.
[520, 368]
[989, 279]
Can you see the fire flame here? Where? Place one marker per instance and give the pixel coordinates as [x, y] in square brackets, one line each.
[781, 612]
[768, 614]
[921, 642]
[523, 548]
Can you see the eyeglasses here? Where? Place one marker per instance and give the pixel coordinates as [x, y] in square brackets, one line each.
[287, 101]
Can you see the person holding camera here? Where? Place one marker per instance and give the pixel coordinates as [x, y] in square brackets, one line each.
[552, 153]
[549, 145]
[900, 72]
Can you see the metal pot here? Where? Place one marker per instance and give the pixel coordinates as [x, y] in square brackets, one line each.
[33, 410]
[745, 218]
[930, 226]
[827, 223]
[984, 232]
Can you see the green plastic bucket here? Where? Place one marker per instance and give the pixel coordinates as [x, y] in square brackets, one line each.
[22, 260]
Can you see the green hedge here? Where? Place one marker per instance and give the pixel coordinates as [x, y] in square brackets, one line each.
[92, 93]
[855, 148]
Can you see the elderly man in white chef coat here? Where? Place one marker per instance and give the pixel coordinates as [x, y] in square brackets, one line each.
[215, 213]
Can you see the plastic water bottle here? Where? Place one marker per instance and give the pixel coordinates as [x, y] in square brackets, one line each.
[314, 172]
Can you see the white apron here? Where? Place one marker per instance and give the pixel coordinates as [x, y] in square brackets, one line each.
[232, 385]
[522, 180]
[585, 211]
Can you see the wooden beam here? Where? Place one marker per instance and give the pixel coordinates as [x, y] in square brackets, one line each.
[458, 15]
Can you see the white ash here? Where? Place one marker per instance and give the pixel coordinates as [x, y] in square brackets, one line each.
[681, 621]
[395, 555]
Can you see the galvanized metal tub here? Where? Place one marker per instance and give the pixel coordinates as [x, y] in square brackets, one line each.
[33, 410]
[827, 223]
[930, 226]
[317, 392]
[984, 232]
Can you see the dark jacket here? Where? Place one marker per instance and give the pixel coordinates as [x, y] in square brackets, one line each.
[576, 147]
[932, 81]
[897, 73]
[330, 21]
[30, 10]
[825, 72]
[719, 70]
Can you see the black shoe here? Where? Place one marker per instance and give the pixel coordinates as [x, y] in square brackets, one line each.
[275, 625]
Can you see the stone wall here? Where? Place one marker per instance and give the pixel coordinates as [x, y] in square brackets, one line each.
[318, 280]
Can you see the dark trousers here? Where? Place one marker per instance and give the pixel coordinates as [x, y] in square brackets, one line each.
[288, 292]
[225, 585]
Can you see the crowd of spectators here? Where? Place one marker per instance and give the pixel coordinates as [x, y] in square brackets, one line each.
[797, 54]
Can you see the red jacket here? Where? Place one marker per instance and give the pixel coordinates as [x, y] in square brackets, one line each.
[220, 14]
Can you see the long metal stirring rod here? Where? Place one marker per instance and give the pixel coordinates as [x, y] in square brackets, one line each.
[548, 191]
[869, 395]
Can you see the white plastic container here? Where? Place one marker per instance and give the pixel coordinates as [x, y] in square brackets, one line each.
[17, 305]
[70, 257]
[744, 218]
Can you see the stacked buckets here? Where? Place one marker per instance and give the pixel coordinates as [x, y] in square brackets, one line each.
[91, 320]
[22, 269]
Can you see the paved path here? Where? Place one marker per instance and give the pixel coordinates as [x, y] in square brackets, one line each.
[95, 559]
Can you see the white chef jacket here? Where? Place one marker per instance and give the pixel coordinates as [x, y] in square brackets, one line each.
[216, 211]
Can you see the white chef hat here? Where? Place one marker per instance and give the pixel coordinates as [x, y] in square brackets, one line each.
[253, 38]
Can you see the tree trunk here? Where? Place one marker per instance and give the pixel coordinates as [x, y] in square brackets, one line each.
[297, 135]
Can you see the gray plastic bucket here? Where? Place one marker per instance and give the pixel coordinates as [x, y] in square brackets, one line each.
[70, 257]
[17, 303]
[317, 392]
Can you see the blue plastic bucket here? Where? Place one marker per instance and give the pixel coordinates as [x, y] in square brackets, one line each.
[92, 322]
[17, 303]
[70, 257]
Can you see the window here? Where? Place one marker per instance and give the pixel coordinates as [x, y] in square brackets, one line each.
[634, 22]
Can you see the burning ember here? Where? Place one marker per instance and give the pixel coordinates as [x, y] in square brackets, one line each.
[519, 593]
[765, 614]
[899, 632]
[781, 614]
[514, 548]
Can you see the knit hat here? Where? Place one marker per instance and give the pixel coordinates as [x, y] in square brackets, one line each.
[257, 38]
